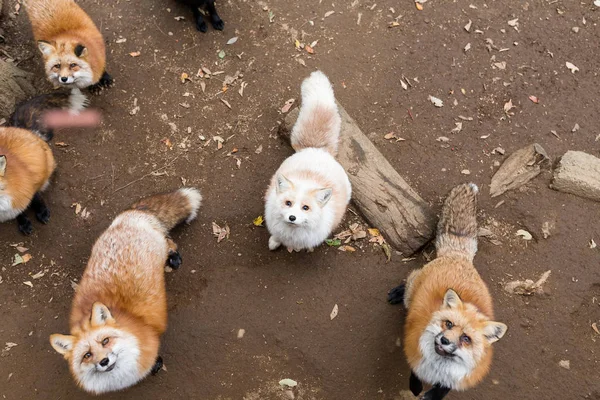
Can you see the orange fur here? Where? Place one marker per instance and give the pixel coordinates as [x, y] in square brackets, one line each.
[426, 288]
[30, 164]
[125, 274]
[64, 24]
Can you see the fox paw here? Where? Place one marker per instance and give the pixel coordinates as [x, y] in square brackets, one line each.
[396, 295]
[43, 215]
[273, 243]
[174, 261]
[217, 23]
[25, 227]
[201, 25]
[158, 364]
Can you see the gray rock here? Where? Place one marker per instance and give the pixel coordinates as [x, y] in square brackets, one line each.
[578, 173]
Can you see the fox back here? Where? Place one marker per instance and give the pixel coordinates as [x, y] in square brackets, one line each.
[26, 164]
[449, 327]
[72, 47]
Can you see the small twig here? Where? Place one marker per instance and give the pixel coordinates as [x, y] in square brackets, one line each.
[158, 27]
[147, 175]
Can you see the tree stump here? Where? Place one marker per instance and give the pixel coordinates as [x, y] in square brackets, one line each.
[383, 197]
[15, 86]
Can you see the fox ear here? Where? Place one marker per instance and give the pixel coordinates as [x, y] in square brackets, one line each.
[100, 315]
[81, 51]
[452, 299]
[283, 184]
[323, 196]
[2, 165]
[45, 47]
[494, 331]
[62, 343]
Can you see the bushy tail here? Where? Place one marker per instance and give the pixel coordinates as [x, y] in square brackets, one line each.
[172, 208]
[29, 114]
[457, 228]
[319, 121]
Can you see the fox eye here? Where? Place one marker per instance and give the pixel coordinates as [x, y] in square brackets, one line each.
[288, 203]
[105, 341]
[87, 355]
[449, 325]
[56, 66]
[465, 339]
[305, 208]
[73, 65]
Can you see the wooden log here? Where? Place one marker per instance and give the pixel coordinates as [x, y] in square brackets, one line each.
[383, 197]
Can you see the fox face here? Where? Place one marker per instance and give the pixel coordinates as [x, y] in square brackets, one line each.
[102, 358]
[298, 205]
[456, 339]
[66, 63]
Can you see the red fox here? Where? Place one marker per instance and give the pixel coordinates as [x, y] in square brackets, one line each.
[120, 308]
[26, 164]
[71, 45]
[449, 326]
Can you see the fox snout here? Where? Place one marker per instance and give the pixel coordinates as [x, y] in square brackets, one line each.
[444, 346]
[106, 364]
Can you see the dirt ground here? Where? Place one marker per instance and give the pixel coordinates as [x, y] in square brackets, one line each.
[283, 301]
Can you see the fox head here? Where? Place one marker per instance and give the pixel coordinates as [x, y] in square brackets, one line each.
[458, 335]
[66, 63]
[102, 357]
[300, 205]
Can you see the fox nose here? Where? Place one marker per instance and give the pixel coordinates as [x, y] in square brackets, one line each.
[64, 78]
[104, 362]
[444, 341]
[292, 218]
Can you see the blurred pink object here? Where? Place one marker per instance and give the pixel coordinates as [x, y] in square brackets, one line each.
[66, 119]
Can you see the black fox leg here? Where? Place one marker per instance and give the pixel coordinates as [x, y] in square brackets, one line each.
[396, 295]
[215, 20]
[158, 364]
[105, 81]
[415, 384]
[42, 213]
[438, 392]
[25, 226]
[174, 261]
[200, 24]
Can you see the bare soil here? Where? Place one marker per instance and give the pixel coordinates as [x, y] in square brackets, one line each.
[283, 301]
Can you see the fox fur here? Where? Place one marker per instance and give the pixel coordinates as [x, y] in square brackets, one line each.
[450, 323]
[309, 193]
[71, 45]
[120, 308]
[29, 114]
[26, 164]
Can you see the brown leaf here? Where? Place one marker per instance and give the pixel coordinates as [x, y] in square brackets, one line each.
[534, 99]
[288, 104]
[220, 233]
[347, 248]
[226, 103]
[390, 135]
[135, 54]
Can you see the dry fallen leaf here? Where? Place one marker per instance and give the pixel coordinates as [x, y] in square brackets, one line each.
[436, 102]
[524, 234]
[26, 258]
[309, 49]
[508, 106]
[329, 13]
[457, 128]
[258, 221]
[571, 67]
[575, 128]
[220, 233]
[387, 250]
[419, 6]
[184, 77]
[232, 40]
[28, 283]
[288, 104]
[374, 232]
[347, 248]
[334, 312]
[595, 328]
[527, 287]
[135, 54]
[518, 169]
[167, 142]
[566, 364]
[226, 103]
[468, 26]
[390, 135]
[593, 244]
[534, 99]
[288, 382]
